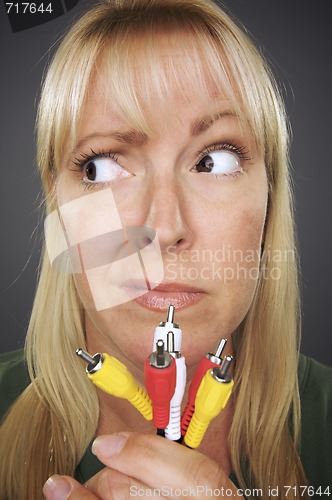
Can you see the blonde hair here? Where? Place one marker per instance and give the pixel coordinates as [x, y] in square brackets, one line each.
[43, 432]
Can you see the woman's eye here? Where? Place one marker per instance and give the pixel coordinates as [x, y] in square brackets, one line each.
[219, 162]
[103, 170]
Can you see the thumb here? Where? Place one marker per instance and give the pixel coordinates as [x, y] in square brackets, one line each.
[63, 487]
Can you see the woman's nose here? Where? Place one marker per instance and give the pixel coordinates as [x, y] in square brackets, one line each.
[167, 213]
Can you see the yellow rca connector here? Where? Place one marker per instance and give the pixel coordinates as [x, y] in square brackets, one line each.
[113, 377]
[212, 396]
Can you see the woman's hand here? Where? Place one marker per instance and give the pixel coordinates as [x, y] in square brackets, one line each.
[136, 464]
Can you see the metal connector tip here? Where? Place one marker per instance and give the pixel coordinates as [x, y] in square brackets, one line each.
[225, 366]
[160, 358]
[220, 348]
[216, 358]
[84, 355]
[170, 342]
[160, 353]
[170, 314]
[170, 318]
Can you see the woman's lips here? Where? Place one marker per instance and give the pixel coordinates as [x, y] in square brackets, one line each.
[162, 296]
[160, 301]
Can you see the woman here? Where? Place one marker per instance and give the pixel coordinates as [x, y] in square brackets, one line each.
[163, 115]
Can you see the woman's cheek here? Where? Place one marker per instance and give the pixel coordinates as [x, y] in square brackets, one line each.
[237, 246]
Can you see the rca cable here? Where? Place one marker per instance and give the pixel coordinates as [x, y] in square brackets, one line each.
[165, 382]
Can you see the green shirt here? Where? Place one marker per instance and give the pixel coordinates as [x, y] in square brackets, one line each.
[315, 382]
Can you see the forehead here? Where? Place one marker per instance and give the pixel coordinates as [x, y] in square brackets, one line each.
[181, 105]
[170, 82]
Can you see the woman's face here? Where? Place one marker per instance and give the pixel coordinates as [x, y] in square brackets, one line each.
[200, 183]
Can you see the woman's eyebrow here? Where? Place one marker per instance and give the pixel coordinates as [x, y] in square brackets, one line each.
[138, 138]
[200, 125]
[130, 136]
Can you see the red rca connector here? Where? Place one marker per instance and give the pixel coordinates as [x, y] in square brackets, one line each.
[206, 363]
[160, 381]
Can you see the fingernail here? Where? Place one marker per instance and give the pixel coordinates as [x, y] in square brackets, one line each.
[56, 488]
[108, 446]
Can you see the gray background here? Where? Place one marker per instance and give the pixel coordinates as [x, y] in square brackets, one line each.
[297, 39]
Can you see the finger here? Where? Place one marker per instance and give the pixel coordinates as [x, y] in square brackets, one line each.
[157, 462]
[63, 487]
[106, 485]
